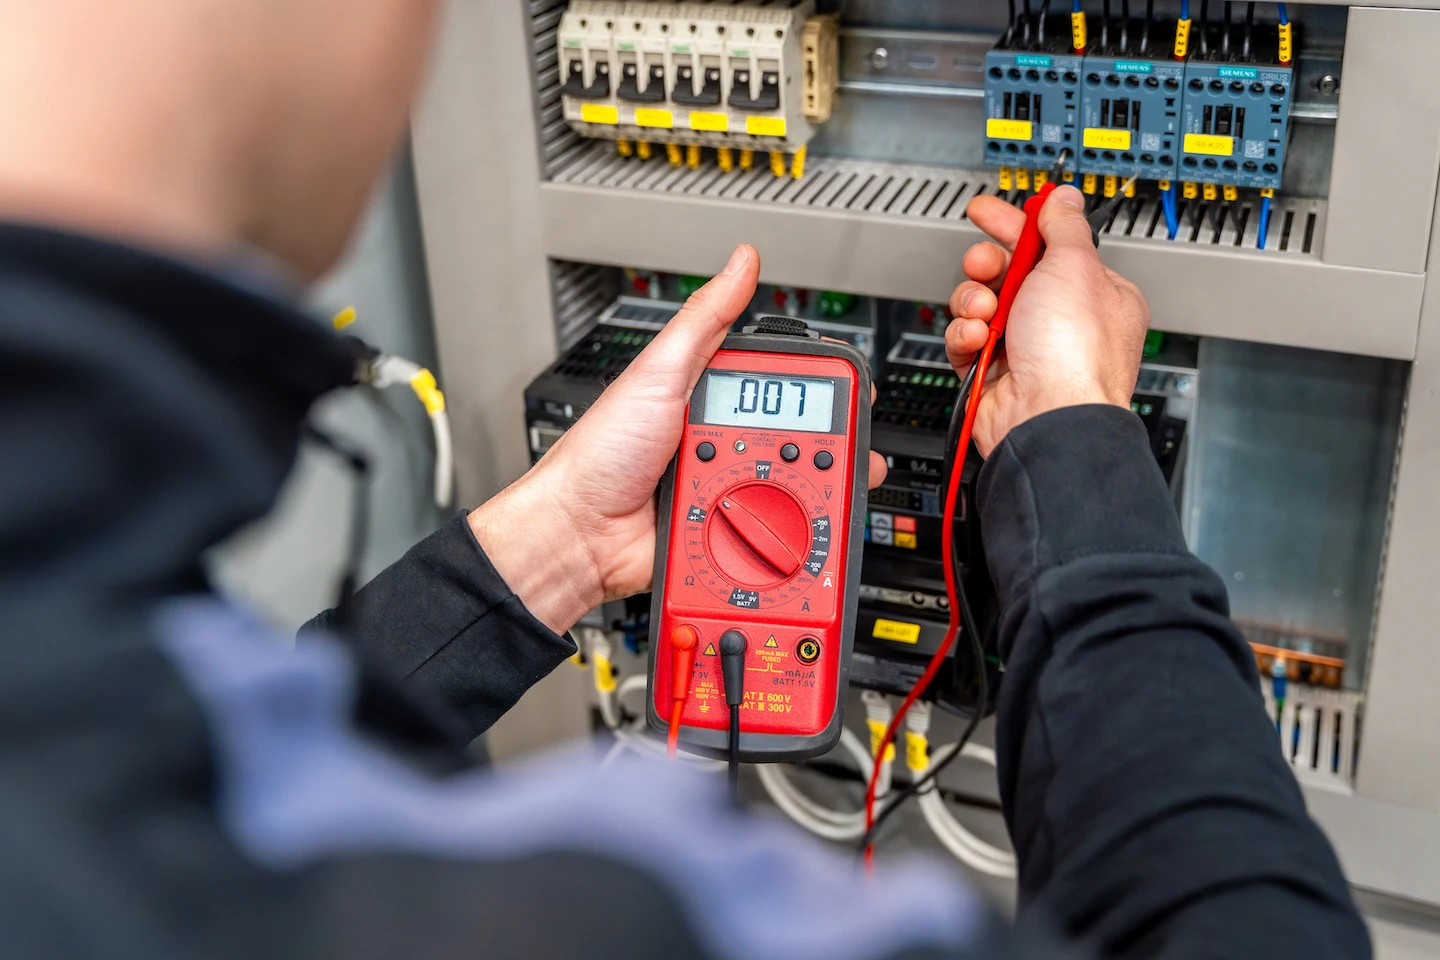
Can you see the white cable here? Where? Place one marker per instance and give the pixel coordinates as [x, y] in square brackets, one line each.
[963, 844]
[600, 651]
[444, 460]
[813, 816]
[637, 739]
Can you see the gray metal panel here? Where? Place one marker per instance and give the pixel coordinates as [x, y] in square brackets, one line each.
[1382, 846]
[1387, 142]
[1267, 297]
[477, 167]
[1400, 739]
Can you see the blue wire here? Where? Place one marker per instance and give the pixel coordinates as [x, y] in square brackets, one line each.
[1184, 9]
[1264, 222]
[1284, 16]
[1076, 7]
[1172, 215]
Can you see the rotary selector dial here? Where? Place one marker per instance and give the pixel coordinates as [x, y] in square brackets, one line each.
[757, 534]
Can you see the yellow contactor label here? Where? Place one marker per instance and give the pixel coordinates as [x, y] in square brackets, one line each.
[997, 129]
[765, 126]
[1098, 138]
[649, 117]
[710, 122]
[599, 113]
[898, 631]
[1209, 144]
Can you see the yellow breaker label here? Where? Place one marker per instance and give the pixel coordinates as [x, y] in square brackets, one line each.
[1209, 144]
[1099, 138]
[649, 117]
[709, 122]
[599, 113]
[897, 630]
[998, 129]
[765, 126]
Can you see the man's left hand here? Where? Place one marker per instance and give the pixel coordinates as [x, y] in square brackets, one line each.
[579, 528]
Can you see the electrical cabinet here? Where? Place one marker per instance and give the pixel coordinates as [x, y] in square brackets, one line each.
[1317, 341]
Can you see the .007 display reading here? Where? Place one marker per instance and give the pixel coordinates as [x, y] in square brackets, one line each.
[741, 400]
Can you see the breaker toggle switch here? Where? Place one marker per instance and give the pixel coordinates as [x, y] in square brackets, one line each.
[575, 82]
[768, 98]
[709, 95]
[629, 89]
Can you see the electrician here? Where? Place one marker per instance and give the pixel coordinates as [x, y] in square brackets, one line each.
[175, 782]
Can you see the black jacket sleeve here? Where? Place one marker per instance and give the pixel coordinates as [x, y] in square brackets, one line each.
[1150, 807]
[442, 619]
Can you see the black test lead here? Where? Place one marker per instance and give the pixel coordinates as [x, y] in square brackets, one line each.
[732, 669]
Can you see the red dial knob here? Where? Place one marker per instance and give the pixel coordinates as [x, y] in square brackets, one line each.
[758, 535]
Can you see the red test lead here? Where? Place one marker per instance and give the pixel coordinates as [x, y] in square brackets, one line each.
[683, 640]
[1028, 250]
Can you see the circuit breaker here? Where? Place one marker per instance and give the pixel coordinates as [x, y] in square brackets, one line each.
[747, 76]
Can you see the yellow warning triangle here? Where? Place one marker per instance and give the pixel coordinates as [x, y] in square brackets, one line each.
[772, 641]
[710, 650]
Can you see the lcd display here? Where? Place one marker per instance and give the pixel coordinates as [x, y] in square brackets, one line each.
[769, 402]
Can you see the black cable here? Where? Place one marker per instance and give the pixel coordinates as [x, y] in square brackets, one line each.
[1204, 28]
[359, 523]
[735, 753]
[1105, 27]
[1124, 26]
[1225, 41]
[1040, 30]
[1026, 25]
[1149, 19]
[1010, 27]
[832, 770]
[1249, 30]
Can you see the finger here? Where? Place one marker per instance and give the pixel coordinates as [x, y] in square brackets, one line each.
[685, 347]
[1063, 225]
[997, 218]
[973, 300]
[878, 470]
[963, 339]
[987, 263]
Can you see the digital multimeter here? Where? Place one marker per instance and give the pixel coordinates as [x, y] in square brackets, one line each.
[761, 527]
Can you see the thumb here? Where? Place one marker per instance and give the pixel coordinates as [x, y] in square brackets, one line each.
[1062, 221]
[685, 347]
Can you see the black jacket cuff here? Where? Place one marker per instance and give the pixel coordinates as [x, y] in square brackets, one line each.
[443, 619]
[1075, 482]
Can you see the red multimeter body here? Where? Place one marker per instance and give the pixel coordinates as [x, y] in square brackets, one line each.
[761, 527]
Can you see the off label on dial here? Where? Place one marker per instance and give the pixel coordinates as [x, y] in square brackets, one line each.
[757, 535]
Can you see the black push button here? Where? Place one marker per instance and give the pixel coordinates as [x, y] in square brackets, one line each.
[706, 452]
[824, 460]
[789, 453]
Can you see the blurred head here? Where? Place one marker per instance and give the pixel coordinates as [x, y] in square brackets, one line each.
[205, 123]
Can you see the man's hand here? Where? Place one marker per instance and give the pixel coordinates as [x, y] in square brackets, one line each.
[579, 528]
[1075, 332]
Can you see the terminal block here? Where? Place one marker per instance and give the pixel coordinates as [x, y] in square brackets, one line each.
[1032, 103]
[1130, 108]
[1236, 117]
[750, 75]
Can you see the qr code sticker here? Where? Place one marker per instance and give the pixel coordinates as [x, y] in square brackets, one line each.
[1254, 149]
[1149, 141]
[1052, 133]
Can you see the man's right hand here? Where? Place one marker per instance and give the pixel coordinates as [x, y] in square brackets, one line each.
[1076, 329]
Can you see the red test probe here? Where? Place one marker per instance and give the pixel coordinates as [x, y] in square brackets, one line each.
[1028, 250]
[682, 664]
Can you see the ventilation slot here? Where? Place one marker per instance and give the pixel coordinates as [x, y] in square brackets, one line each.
[558, 143]
[582, 292]
[931, 194]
